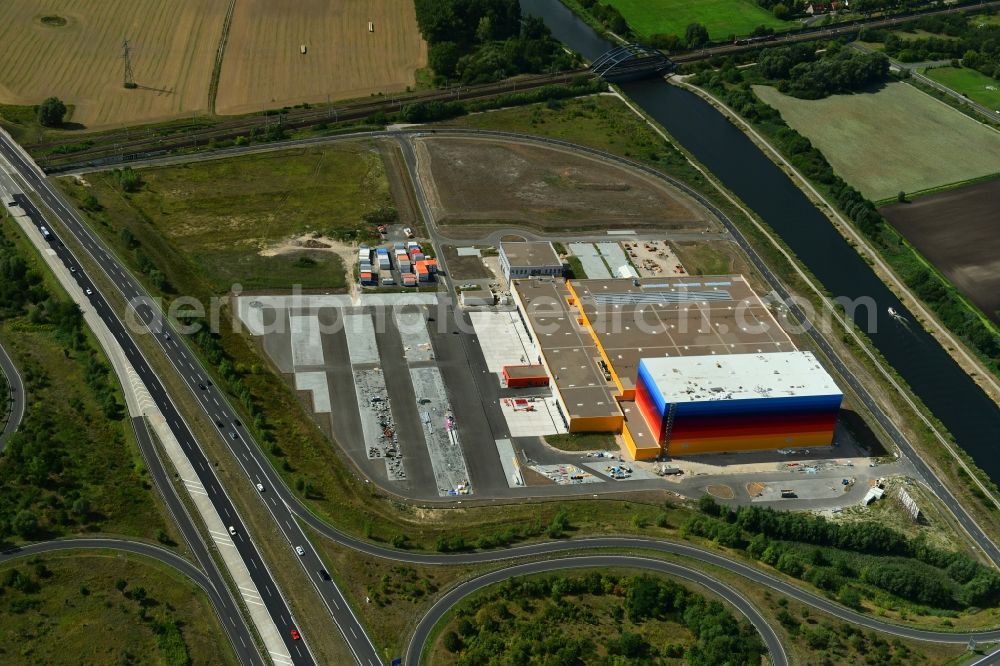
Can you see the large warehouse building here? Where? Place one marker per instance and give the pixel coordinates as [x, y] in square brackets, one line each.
[597, 337]
[708, 404]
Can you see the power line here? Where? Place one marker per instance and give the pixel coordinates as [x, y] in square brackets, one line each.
[129, 80]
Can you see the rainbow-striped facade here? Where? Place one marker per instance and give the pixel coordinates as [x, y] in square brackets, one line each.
[739, 402]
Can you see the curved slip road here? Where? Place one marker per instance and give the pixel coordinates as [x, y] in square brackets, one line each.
[162, 555]
[288, 506]
[15, 400]
[456, 594]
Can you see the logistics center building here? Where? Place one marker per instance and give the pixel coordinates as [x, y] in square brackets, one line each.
[708, 404]
[598, 337]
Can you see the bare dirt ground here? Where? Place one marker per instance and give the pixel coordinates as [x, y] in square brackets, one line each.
[464, 268]
[173, 50]
[315, 242]
[489, 182]
[265, 68]
[957, 231]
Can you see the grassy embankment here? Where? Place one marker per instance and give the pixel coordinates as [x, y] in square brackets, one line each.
[67, 609]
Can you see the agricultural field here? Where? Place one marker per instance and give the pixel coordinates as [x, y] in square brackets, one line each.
[67, 609]
[976, 86]
[956, 231]
[265, 221]
[896, 139]
[74, 51]
[721, 17]
[264, 67]
[496, 183]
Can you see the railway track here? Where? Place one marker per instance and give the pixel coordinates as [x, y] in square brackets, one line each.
[125, 145]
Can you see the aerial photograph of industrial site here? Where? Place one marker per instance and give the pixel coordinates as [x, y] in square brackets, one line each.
[500, 332]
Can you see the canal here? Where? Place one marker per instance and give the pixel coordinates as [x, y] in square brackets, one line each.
[935, 378]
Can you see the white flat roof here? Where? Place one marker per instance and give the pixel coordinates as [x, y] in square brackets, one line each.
[739, 376]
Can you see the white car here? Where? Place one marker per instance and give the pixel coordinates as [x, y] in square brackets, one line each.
[232, 531]
[300, 550]
[260, 487]
[88, 291]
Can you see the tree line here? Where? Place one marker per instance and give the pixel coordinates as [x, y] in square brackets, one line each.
[479, 41]
[524, 621]
[953, 37]
[834, 556]
[798, 71]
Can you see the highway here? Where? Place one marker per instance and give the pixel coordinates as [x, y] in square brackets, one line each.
[456, 594]
[262, 578]
[245, 451]
[284, 506]
[14, 401]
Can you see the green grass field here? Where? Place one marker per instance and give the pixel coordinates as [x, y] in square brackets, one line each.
[721, 17]
[895, 139]
[205, 224]
[66, 609]
[977, 87]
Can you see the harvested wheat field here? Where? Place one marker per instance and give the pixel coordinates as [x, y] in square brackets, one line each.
[73, 50]
[503, 183]
[264, 66]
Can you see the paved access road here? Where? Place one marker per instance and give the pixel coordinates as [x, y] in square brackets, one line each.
[456, 594]
[270, 593]
[15, 400]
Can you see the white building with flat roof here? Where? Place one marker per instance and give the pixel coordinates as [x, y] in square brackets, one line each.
[527, 259]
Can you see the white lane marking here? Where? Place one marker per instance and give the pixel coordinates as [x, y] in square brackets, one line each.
[352, 631]
[251, 601]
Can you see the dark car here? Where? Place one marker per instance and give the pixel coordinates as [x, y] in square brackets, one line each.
[220, 424]
[201, 386]
[323, 574]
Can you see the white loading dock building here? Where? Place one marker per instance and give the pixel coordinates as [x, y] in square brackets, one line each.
[527, 259]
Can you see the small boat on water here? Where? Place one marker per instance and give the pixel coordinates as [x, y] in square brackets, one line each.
[893, 313]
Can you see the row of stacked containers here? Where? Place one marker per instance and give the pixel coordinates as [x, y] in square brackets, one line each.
[375, 268]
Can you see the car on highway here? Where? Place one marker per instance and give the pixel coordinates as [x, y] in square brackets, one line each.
[260, 487]
[233, 436]
[220, 424]
[201, 386]
[323, 574]
[232, 531]
[295, 634]
[300, 550]
[88, 291]
[72, 269]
